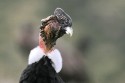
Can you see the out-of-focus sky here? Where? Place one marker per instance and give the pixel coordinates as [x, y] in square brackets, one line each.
[99, 30]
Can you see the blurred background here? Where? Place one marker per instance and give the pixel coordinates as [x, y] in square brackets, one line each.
[95, 53]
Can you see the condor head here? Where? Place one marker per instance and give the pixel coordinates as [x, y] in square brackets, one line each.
[55, 26]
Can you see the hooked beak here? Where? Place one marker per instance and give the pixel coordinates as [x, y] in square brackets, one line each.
[69, 31]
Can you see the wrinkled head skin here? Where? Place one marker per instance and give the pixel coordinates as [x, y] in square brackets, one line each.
[55, 26]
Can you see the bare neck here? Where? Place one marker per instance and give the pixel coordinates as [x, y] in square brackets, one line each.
[44, 47]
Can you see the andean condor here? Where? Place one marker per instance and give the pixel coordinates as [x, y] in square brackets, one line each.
[45, 61]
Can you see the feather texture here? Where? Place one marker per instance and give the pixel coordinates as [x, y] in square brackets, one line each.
[40, 72]
[37, 53]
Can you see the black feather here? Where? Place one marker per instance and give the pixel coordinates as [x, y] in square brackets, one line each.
[40, 72]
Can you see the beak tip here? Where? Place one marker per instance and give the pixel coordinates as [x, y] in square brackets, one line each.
[69, 31]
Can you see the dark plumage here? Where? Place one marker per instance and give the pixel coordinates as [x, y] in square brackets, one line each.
[40, 72]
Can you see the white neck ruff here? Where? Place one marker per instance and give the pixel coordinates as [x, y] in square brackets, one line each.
[37, 53]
